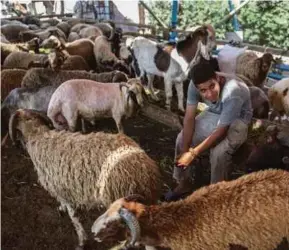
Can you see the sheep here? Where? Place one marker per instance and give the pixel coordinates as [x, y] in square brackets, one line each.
[43, 77]
[26, 98]
[8, 48]
[174, 66]
[260, 103]
[82, 47]
[93, 100]
[278, 96]
[255, 69]
[274, 153]
[11, 31]
[82, 171]
[73, 36]
[10, 79]
[28, 35]
[23, 60]
[64, 27]
[59, 60]
[250, 213]
[105, 59]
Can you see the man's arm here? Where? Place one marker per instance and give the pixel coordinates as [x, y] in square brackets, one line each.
[189, 126]
[231, 111]
[212, 140]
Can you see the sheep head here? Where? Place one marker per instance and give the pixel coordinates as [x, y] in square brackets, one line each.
[53, 42]
[119, 220]
[266, 62]
[34, 44]
[136, 88]
[28, 122]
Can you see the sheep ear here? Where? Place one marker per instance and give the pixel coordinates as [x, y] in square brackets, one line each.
[135, 198]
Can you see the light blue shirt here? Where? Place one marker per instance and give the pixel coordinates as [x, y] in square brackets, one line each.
[234, 102]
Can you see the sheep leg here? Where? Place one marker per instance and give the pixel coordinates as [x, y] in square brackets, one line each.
[169, 93]
[180, 93]
[71, 116]
[82, 237]
[151, 87]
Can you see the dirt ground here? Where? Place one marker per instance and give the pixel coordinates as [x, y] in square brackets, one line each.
[30, 219]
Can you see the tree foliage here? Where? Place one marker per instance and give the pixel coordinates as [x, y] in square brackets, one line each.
[263, 22]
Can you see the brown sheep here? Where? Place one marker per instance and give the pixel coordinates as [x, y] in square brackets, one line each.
[10, 79]
[250, 212]
[82, 47]
[23, 60]
[253, 67]
[11, 31]
[7, 48]
[38, 77]
[28, 35]
[106, 60]
[73, 36]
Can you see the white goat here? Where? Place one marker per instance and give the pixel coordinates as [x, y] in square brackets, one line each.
[151, 59]
[90, 100]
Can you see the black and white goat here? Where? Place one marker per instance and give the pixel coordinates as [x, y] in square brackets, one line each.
[151, 59]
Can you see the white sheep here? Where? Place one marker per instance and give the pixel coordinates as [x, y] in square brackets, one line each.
[278, 96]
[248, 213]
[91, 100]
[82, 171]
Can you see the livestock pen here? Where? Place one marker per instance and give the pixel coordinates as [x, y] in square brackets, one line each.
[30, 219]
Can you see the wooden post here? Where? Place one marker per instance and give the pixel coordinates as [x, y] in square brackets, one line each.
[153, 14]
[141, 14]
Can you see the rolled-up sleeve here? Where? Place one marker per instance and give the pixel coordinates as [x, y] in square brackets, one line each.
[193, 96]
[231, 111]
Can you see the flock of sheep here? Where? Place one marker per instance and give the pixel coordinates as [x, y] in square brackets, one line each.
[90, 72]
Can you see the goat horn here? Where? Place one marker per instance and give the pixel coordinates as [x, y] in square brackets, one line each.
[112, 33]
[12, 123]
[132, 223]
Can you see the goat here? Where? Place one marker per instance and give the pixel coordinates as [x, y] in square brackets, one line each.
[91, 100]
[278, 96]
[173, 66]
[83, 171]
[250, 213]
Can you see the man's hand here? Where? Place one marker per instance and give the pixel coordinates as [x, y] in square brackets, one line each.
[187, 158]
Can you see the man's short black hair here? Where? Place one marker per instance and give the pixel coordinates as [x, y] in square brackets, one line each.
[204, 71]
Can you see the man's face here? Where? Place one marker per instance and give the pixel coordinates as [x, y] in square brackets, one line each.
[210, 90]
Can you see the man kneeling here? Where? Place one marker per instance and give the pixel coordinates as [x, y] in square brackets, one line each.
[222, 128]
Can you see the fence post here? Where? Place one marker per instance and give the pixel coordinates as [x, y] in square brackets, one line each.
[174, 20]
